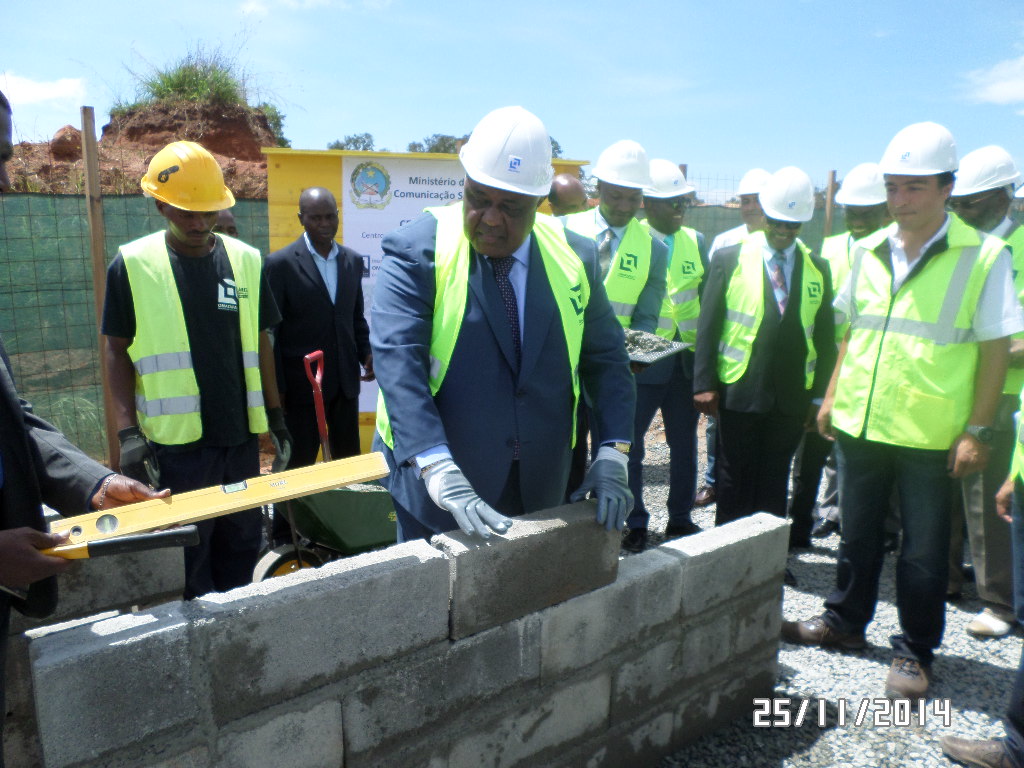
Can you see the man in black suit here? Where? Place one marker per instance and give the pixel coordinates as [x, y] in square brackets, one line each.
[37, 464]
[765, 350]
[318, 288]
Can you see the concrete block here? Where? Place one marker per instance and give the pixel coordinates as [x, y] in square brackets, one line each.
[519, 738]
[410, 699]
[589, 627]
[707, 644]
[21, 746]
[278, 639]
[728, 560]
[758, 619]
[107, 686]
[544, 559]
[642, 742]
[646, 677]
[310, 738]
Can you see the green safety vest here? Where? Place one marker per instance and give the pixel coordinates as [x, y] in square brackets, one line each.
[744, 309]
[907, 377]
[566, 275]
[629, 267]
[836, 251]
[166, 391]
[681, 305]
[1015, 241]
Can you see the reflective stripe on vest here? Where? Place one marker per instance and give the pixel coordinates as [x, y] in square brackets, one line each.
[681, 306]
[452, 253]
[744, 300]
[907, 377]
[1015, 242]
[166, 392]
[629, 268]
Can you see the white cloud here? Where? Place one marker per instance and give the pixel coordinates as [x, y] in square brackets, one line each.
[254, 8]
[264, 7]
[22, 91]
[1002, 83]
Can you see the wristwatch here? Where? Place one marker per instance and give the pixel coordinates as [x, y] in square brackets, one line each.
[621, 447]
[983, 435]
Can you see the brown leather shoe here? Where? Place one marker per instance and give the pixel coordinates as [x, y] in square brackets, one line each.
[987, 753]
[817, 632]
[907, 679]
[705, 497]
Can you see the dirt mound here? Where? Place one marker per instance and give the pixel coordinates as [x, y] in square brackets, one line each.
[233, 134]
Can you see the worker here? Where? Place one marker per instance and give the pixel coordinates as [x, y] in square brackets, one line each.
[568, 195]
[39, 465]
[912, 400]
[668, 383]
[483, 312]
[225, 224]
[981, 198]
[862, 197]
[752, 220]
[765, 347]
[189, 361]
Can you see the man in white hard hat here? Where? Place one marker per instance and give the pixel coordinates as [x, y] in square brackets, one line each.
[668, 384]
[752, 221]
[483, 313]
[981, 197]
[862, 197]
[765, 347]
[931, 305]
[191, 367]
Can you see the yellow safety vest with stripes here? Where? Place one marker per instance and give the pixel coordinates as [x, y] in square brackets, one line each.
[681, 306]
[166, 390]
[452, 254]
[836, 251]
[629, 267]
[1015, 242]
[744, 308]
[907, 377]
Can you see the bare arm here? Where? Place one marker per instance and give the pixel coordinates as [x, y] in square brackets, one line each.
[825, 411]
[967, 454]
[121, 378]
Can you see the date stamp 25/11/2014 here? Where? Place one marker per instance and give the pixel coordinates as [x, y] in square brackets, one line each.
[871, 712]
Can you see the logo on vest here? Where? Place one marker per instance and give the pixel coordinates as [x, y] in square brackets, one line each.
[576, 297]
[370, 186]
[228, 295]
[688, 268]
[814, 290]
[628, 262]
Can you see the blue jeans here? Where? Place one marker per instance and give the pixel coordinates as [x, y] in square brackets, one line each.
[711, 442]
[674, 397]
[867, 472]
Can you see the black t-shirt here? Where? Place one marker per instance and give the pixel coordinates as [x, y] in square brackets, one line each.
[208, 300]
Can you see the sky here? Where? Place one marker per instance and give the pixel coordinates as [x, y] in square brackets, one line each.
[721, 86]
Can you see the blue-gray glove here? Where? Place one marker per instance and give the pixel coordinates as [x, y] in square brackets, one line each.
[608, 480]
[450, 490]
[280, 437]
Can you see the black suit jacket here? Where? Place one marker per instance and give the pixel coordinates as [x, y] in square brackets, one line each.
[39, 465]
[309, 321]
[774, 380]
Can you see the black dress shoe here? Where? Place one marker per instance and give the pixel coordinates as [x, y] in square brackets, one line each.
[634, 540]
[824, 527]
[678, 530]
[706, 496]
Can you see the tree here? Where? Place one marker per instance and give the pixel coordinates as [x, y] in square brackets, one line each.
[556, 148]
[439, 142]
[362, 142]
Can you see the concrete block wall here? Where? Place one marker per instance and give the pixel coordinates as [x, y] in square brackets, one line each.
[541, 648]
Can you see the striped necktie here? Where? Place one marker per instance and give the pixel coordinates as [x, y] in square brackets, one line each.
[604, 252]
[779, 280]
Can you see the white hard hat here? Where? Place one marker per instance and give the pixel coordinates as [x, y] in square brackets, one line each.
[668, 180]
[624, 164]
[510, 149]
[863, 185]
[983, 169]
[753, 181]
[921, 149]
[788, 195]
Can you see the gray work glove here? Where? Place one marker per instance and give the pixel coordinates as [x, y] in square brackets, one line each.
[137, 458]
[450, 490]
[280, 437]
[608, 480]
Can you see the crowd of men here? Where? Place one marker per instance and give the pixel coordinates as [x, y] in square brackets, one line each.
[888, 363]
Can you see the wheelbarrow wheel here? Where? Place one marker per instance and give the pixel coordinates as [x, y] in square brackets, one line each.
[282, 560]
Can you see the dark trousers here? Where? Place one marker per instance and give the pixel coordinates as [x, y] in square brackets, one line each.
[755, 451]
[342, 414]
[228, 545]
[807, 469]
[1014, 720]
[867, 471]
[675, 399]
[578, 463]
[5, 620]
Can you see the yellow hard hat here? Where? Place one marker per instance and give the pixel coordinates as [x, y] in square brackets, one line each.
[184, 174]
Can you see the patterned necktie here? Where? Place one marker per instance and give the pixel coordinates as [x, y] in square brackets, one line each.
[604, 252]
[508, 296]
[779, 280]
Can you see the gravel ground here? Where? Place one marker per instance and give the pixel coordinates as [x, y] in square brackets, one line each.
[975, 676]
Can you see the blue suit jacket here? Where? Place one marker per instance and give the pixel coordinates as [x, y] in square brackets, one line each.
[485, 403]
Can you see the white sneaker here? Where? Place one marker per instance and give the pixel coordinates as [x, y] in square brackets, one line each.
[989, 623]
